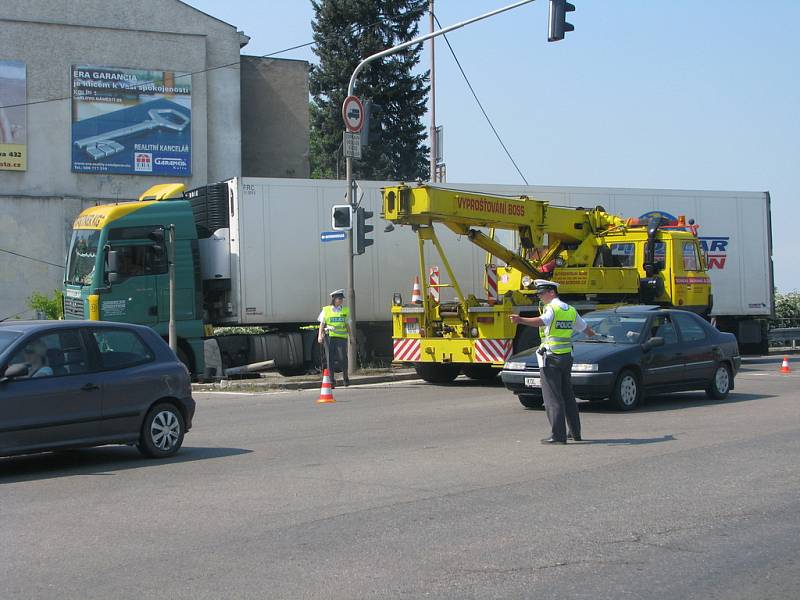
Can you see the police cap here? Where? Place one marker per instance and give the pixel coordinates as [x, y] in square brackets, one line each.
[335, 293]
[542, 285]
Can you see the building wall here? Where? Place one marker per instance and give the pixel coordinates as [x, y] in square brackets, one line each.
[37, 206]
[275, 119]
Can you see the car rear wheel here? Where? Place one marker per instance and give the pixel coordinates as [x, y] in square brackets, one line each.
[627, 392]
[162, 431]
[720, 384]
[530, 401]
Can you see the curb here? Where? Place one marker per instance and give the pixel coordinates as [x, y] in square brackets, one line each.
[251, 385]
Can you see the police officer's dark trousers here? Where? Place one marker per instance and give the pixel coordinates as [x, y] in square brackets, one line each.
[338, 355]
[559, 399]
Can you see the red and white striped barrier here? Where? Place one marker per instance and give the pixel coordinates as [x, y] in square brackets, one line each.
[406, 350]
[495, 351]
[491, 283]
[433, 284]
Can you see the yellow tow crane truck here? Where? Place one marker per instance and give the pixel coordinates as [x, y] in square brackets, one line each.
[598, 259]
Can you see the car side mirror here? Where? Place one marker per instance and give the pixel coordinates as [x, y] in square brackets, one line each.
[13, 371]
[653, 342]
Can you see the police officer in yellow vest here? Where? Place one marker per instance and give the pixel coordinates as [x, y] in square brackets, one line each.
[334, 327]
[557, 322]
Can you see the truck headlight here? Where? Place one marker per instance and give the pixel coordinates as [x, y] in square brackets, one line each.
[515, 366]
[526, 281]
[584, 367]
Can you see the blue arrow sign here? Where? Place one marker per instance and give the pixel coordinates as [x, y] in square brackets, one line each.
[332, 236]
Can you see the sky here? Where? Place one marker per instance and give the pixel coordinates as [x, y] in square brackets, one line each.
[684, 94]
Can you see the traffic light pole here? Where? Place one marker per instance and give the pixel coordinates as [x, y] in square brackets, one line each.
[352, 348]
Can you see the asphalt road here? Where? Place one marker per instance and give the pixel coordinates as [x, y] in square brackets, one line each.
[411, 490]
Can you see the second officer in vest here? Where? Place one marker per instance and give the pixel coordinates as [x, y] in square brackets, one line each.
[334, 328]
[557, 322]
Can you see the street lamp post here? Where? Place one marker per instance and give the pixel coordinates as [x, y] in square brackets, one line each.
[352, 349]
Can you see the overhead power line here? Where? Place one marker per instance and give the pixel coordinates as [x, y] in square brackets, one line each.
[134, 86]
[31, 258]
[474, 95]
[225, 66]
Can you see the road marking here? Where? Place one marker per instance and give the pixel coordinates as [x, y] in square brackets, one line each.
[228, 393]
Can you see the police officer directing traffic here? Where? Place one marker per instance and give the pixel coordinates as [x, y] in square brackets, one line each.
[333, 331]
[557, 322]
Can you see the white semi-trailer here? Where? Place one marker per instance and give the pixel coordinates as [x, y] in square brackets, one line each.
[250, 251]
[292, 271]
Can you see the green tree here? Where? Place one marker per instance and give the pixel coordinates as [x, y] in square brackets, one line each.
[47, 306]
[346, 32]
[787, 309]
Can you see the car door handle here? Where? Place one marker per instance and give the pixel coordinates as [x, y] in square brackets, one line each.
[90, 387]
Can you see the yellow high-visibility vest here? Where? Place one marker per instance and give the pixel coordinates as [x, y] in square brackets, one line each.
[557, 337]
[337, 320]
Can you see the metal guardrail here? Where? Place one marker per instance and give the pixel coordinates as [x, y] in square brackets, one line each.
[785, 334]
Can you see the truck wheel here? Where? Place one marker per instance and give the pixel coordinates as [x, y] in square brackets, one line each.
[720, 384]
[162, 431]
[480, 372]
[531, 401]
[437, 373]
[627, 391]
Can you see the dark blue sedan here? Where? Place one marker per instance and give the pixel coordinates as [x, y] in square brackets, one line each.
[72, 384]
[637, 350]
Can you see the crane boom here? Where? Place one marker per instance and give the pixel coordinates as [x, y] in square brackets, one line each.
[598, 259]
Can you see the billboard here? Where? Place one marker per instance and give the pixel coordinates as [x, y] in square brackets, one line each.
[13, 116]
[131, 121]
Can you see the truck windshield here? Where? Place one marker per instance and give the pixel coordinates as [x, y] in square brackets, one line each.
[82, 256]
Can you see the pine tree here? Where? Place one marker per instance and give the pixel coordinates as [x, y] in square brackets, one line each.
[346, 32]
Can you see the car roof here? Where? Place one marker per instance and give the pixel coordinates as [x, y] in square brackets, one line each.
[31, 326]
[637, 308]
[642, 310]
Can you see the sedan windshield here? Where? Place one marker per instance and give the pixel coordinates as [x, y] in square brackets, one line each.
[82, 256]
[613, 327]
[6, 337]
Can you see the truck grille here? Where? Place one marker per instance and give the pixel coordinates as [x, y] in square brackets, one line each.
[73, 308]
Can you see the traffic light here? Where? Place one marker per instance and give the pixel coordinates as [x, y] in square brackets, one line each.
[370, 133]
[362, 229]
[558, 25]
[342, 217]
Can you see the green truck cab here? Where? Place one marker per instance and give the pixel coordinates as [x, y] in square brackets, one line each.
[118, 269]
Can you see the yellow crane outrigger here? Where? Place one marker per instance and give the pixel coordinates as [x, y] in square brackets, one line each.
[598, 259]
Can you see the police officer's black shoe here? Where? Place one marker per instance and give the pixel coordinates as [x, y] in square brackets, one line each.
[552, 441]
[574, 438]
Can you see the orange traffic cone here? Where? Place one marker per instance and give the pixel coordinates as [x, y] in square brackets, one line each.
[325, 393]
[785, 365]
[416, 292]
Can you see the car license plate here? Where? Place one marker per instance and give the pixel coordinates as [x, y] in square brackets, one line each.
[533, 382]
[412, 328]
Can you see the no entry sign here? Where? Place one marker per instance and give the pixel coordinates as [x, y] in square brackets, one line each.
[353, 114]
